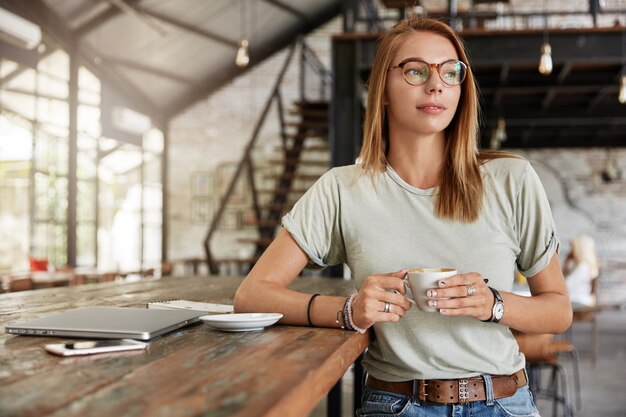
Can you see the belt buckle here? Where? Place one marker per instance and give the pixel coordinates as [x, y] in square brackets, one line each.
[463, 392]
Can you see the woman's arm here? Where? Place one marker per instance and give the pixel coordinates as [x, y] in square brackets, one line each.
[265, 290]
[548, 310]
[265, 287]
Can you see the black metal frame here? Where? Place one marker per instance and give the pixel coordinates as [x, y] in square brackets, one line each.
[570, 108]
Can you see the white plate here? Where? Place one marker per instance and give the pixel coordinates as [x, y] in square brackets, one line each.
[241, 322]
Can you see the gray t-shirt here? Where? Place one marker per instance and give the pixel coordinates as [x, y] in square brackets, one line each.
[379, 223]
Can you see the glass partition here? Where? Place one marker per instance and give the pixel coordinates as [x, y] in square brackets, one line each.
[119, 184]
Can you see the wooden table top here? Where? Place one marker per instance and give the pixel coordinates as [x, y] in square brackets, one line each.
[198, 370]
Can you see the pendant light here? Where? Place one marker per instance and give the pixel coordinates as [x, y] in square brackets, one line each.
[243, 58]
[545, 62]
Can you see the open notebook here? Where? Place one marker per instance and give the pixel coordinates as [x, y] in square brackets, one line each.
[106, 322]
[206, 308]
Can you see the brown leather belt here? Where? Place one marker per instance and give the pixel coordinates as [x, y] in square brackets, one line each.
[453, 391]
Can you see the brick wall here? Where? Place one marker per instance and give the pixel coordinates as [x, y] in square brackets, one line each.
[582, 203]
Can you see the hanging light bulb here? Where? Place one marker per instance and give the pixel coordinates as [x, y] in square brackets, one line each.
[622, 89]
[545, 63]
[243, 59]
[499, 134]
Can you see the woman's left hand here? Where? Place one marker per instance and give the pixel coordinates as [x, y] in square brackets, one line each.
[462, 295]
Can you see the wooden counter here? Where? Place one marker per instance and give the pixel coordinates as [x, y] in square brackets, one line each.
[281, 371]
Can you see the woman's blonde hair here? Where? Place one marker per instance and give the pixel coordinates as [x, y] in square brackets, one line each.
[584, 250]
[461, 186]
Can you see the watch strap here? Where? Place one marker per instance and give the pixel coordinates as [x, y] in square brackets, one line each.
[497, 299]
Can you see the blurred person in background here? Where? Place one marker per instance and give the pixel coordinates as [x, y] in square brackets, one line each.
[581, 270]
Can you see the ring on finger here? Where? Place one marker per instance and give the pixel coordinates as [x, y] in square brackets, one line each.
[387, 308]
[471, 290]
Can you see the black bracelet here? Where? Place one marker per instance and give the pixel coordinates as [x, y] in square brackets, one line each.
[308, 309]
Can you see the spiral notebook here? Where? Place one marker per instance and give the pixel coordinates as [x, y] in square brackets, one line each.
[208, 308]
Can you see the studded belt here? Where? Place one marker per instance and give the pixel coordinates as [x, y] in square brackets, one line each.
[453, 391]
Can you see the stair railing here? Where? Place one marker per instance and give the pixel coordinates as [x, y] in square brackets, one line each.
[246, 161]
[307, 57]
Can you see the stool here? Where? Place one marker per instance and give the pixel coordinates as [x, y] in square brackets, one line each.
[542, 351]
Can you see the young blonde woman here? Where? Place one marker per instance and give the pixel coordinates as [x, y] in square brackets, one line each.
[423, 195]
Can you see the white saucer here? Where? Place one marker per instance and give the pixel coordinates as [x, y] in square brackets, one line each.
[241, 322]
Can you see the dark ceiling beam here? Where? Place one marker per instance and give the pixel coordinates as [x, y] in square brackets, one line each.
[528, 134]
[504, 75]
[547, 100]
[609, 130]
[551, 94]
[257, 55]
[491, 47]
[553, 142]
[523, 116]
[598, 98]
[565, 70]
[187, 27]
[541, 89]
[572, 131]
[541, 138]
[40, 13]
[291, 10]
[497, 98]
[523, 47]
[146, 68]
[564, 121]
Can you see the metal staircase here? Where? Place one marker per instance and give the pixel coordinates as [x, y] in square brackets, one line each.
[300, 160]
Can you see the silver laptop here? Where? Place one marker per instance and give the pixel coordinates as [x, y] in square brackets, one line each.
[107, 322]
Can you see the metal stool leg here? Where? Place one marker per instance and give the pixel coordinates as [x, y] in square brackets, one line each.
[594, 340]
[579, 402]
[555, 390]
[567, 406]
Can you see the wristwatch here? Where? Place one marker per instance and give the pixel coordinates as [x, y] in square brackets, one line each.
[497, 311]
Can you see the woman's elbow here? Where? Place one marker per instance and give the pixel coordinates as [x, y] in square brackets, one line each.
[566, 316]
[241, 300]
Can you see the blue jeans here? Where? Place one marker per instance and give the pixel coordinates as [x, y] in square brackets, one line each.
[382, 403]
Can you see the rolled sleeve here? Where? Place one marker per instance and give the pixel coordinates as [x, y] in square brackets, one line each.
[536, 231]
[315, 223]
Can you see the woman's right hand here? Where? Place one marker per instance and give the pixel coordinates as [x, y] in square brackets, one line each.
[368, 306]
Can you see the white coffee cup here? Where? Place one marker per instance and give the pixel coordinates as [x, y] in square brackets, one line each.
[420, 280]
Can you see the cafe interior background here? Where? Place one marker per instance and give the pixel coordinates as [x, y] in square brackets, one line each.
[144, 138]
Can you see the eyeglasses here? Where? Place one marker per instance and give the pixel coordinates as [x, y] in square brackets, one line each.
[416, 72]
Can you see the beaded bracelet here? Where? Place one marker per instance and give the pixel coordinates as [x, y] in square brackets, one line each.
[346, 313]
[344, 324]
[350, 320]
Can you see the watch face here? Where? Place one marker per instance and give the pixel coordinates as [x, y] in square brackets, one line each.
[498, 311]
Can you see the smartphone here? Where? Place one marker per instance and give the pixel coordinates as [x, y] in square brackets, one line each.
[91, 347]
